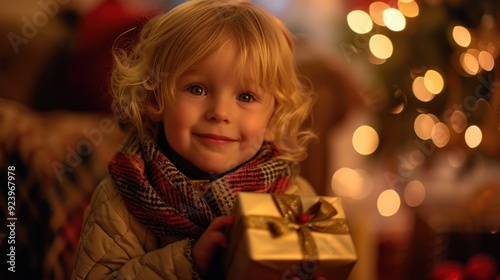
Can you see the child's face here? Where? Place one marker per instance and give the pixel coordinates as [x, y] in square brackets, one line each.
[217, 122]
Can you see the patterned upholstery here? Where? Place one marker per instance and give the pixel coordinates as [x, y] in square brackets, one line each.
[59, 159]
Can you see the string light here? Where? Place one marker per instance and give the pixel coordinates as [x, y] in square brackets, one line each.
[440, 135]
[414, 193]
[376, 12]
[408, 8]
[461, 36]
[359, 22]
[394, 19]
[433, 81]
[473, 136]
[388, 203]
[469, 63]
[380, 46]
[365, 140]
[458, 121]
[348, 183]
[486, 60]
[420, 91]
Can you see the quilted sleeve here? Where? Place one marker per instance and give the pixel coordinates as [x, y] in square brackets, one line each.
[300, 186]
[112, 246]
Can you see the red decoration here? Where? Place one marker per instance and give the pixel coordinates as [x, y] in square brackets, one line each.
[303, 218]
[481, 267]
[448, 270]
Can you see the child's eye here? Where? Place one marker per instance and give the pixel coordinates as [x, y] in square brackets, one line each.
[196, 90]
[246, 97]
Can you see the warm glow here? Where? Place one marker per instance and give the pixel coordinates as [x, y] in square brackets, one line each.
[414, 193]
[408, 8]
[433, 81]
[486, 61]
[440, 135]
[365, 140]
[469, 63]
[492, 48]
[420, 91]
[423, 125]
[473, 136]
[398, 108]
[347, 182]
[433, 117]
[394, 19]
[376, 12]
[381, 46]
[461, 36]
[456, 158]
[359, 22]
[388, 203]
[458, 121]
[375, 60]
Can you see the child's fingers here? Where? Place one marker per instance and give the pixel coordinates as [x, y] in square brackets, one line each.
[214, 237]
[210, 241]
[215, 232]
[220, 222]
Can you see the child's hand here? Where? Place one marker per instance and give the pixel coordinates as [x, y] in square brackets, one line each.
[210, 241]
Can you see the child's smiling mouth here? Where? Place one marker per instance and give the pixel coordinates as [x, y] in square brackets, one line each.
[215, 139]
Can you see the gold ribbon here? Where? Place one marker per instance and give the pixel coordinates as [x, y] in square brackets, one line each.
[321, 219]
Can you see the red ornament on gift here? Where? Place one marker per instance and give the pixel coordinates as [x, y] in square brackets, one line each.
[303, 218]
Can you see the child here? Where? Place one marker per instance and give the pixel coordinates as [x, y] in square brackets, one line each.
[214, 106]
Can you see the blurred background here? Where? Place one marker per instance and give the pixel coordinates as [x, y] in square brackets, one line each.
[407, 113]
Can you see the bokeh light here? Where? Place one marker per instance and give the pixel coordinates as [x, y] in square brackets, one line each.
[359, 22]
[492, 48]
[423, 126]
[473, 136]
[400, 101]
[388, 203]
[458, 121]
[420, 91]
[414, 193]
[347, 183]
[381, 46]
[461, 36]
[433, 81]
[375, 60]
[486, 60]
[440, 135]
[408, 8]
[376, 12]
[398, 109]
[394, 19]
[433, 117]
[469, 63]
[365, 140]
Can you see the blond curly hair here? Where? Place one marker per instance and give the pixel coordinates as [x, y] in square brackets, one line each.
[144, 76]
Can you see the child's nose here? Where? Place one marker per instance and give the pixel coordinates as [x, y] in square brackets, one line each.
[220, 109]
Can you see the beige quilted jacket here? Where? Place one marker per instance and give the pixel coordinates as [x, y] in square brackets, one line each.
[115, 245]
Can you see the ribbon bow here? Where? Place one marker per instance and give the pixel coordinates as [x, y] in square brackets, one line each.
[318, 217]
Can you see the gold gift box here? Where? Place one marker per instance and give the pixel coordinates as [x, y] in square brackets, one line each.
[267, 241]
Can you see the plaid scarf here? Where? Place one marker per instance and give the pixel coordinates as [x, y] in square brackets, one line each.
[163, 198]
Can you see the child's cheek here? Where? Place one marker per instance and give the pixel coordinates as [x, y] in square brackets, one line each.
[253, 138]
